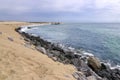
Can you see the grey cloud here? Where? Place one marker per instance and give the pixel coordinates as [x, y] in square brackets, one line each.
[60, 10]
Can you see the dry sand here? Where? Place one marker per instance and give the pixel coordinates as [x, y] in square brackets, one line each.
[18, 62]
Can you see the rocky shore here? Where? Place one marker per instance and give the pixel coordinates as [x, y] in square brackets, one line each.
[89, 67]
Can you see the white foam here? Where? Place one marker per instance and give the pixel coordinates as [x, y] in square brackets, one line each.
[88, 54]
[113, 67]
[116, 67]
[62, 46]
[23, 29]
[34, 35]
[71, 48]
[33, 25]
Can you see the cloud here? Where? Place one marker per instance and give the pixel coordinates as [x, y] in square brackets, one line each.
[87, 10]
[66, 5]
[106, 3]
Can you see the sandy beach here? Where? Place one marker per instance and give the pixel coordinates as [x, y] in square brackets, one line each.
[19, 61]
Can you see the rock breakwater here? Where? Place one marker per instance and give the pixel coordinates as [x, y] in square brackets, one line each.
[89, 67]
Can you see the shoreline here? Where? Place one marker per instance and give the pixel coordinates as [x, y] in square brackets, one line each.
[43, 48]
[21, 61]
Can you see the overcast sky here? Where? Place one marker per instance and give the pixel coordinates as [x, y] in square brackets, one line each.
[61, 10]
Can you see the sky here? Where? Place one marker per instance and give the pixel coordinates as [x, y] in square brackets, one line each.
[60, 10]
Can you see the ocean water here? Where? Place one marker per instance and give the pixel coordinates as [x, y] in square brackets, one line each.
[101, 39]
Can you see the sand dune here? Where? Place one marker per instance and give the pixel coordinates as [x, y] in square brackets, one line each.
[20, 62]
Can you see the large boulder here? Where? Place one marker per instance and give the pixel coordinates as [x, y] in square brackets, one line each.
[94, 63]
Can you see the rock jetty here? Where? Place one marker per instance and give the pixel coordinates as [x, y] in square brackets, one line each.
[89, 67]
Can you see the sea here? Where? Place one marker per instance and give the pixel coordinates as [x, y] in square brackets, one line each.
[100, 39]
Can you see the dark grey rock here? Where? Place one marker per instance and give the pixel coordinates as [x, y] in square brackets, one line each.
[110, 74]
[57, 47]
[55, 23]
[54, 58]
[56, 53]
[79, 76]
[50, 55]
[69, 54]
[75, 75]
[18, 29]
[29, 27]
[91, 78]
[41, 49]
